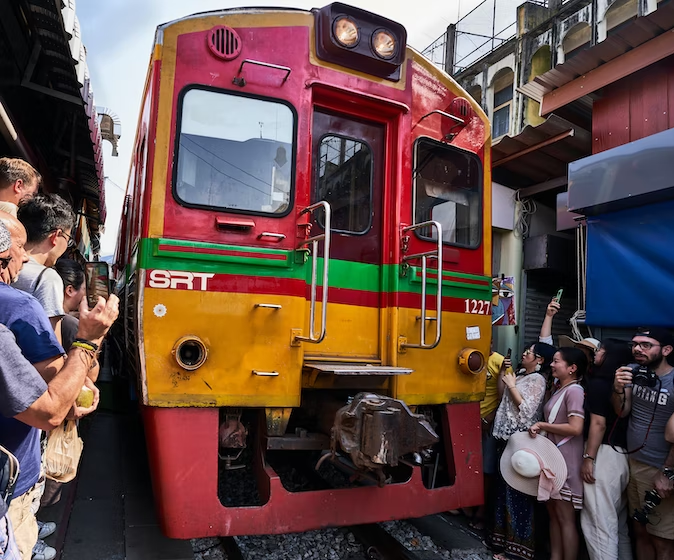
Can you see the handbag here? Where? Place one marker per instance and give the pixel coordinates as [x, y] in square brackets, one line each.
[9, 474]
[64, 449]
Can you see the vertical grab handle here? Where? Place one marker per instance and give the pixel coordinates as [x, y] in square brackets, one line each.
[314, 338]
[435, 254]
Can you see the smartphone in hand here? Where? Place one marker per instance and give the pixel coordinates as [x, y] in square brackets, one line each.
[509, 353]
[97, 281]
[558, 297]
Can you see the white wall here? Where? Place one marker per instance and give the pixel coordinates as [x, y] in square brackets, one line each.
[502, 207]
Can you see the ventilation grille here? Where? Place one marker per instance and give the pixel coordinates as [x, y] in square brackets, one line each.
[461, 108]
[224, 42]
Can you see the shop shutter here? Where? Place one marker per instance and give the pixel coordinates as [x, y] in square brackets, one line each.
[541, 287]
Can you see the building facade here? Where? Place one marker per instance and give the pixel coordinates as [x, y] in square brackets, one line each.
[560, 81]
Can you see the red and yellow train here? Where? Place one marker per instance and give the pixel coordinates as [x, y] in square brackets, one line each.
[303, 182]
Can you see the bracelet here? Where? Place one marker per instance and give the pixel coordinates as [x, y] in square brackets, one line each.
[93, 345]
[89, 346]
[586, 456]
[619, 393]
[91, 354]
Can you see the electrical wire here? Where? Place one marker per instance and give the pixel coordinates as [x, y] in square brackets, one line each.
[581, 277]
[527, 207]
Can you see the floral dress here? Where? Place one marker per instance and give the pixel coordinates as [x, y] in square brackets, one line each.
[510, 418]
[514, 521]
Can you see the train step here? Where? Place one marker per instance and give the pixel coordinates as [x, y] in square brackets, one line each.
[342, 368]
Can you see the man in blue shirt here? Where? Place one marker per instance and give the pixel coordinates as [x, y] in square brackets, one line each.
[25, 318]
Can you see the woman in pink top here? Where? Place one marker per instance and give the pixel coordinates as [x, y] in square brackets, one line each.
[564, 417]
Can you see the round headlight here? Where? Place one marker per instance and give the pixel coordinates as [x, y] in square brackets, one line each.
[346, 31]
[384, 44]
[190, 352]
[471, 361]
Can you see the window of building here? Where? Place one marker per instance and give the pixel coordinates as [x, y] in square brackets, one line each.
[235, 153]
[577, 40]
[345, 181]
[503, 97]
[447, 185]
[620, 13]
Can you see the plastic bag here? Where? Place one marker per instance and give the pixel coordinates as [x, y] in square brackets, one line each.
[64, 449]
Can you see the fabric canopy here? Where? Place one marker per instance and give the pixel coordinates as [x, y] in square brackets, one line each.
[630, 267]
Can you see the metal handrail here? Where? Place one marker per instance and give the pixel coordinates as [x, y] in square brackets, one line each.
[437, 254]
[325, 237]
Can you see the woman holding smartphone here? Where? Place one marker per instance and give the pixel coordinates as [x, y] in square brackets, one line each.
[520, 408]
[564, 418]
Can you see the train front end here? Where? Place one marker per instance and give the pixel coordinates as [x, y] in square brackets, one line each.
[309, 183]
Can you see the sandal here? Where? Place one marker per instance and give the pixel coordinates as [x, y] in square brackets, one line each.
[477, 525]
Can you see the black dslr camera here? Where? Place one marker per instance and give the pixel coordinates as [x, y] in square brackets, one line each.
[651, 501]
[643, 376]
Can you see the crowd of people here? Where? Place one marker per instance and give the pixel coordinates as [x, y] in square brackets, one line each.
[577, 440]
[47, 355]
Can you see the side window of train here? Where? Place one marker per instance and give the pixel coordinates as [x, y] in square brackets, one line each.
[344, 179]
[235, 153]
[448, 189]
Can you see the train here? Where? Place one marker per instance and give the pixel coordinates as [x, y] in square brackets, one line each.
[304, 266]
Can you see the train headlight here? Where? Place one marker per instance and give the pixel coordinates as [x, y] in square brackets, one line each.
[346, 32]
[471, 361]
[190, 352]
[384, 44]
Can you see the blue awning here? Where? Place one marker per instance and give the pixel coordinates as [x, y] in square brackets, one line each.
[630, 267]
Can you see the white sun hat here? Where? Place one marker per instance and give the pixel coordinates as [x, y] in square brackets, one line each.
[534, 466]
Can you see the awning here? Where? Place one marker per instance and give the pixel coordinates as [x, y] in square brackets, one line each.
[539, 153]
[638, 44]
[47, 92]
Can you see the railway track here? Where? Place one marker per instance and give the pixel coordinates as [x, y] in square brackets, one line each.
[397, 540]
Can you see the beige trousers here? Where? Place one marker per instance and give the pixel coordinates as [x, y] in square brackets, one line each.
[604, 515]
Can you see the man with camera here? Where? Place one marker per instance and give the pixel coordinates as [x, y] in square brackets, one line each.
[645, 392]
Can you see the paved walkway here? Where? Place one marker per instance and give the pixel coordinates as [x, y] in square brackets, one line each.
[107, 513]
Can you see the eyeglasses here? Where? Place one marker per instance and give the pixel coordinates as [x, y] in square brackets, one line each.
[644, 345]
[70, 240]
[530, 351]
[4, 262]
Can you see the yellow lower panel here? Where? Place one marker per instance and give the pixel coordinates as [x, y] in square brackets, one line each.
[437, 378]
[352, 332]
[240, 338]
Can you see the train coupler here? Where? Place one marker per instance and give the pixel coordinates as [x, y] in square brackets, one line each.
[377, 431]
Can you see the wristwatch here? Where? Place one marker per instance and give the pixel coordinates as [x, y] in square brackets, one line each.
[586, 456]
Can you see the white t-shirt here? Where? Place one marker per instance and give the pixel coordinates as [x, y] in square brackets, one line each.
[8, 207]
[44, 284]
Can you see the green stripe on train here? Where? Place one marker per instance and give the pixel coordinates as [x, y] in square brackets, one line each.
[289, 265]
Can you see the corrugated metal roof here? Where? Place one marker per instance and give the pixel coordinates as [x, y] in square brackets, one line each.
[621, 40]
[545, 163]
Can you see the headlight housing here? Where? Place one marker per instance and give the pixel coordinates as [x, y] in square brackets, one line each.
[471, 361]
[190, 352]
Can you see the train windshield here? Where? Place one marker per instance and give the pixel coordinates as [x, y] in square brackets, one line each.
[235, 153]
[447, 184]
